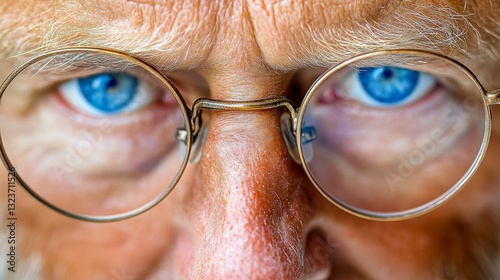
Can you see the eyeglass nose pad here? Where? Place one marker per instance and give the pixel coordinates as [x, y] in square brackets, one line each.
[289, 137]
[196, 147]
[199, 143]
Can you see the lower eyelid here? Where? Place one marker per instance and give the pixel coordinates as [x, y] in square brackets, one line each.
[337, 94]
[152, 132]
[354, 125]
[361, 111]
[158, 110]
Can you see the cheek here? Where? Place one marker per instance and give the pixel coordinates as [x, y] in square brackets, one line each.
[482, 192]
[137, 246]
[83, 250]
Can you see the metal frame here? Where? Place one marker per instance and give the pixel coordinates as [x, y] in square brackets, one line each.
[108, 218]
[193, 124]
[488, 98]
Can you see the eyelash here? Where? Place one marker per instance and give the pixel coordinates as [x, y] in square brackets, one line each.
[386, 87]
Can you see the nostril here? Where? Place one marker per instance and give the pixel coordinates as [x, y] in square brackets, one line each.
[328, 257]
[319, 254]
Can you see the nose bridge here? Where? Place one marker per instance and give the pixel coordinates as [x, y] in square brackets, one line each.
[257, 199]
[247, 139]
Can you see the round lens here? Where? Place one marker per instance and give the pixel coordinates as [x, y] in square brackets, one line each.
[93, 133]
[393, 134]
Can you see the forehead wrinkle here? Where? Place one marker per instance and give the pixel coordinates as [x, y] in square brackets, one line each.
[173, 34]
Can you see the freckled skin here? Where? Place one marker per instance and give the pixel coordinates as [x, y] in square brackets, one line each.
[246, 210]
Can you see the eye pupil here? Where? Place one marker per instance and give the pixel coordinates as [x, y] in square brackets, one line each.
[387, 74]
[109, 92]
[112, 83]
[387, 84]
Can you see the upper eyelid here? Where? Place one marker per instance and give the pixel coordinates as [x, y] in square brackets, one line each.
[56, 67]
[444, 74]
[49, 76]
[77, 65]
[446, 79]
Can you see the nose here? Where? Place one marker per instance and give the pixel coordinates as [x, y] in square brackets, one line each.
[249, 204]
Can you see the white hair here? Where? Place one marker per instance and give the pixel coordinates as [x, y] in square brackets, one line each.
[440, 29]
[436, 28]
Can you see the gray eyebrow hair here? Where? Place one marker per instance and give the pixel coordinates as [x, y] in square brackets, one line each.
[78, 61]
[21, 40]
[440, 29]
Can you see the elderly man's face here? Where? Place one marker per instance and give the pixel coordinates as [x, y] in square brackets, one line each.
[246, 209]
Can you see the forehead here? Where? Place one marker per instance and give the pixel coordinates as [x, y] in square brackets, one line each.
[282, 34]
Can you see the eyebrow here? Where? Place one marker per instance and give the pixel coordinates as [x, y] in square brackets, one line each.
[440, 29]
[76, 61]
[99, 24]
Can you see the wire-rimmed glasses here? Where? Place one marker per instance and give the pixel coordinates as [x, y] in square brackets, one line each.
[100, 135]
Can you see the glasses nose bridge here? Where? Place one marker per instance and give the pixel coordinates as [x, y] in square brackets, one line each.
[289, 119]
[253, 105]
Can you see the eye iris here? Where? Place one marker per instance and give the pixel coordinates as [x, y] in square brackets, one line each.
[109, 92]
[388, 84]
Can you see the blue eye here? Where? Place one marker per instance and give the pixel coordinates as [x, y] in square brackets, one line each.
[106, 93]
[109, 92]
[386, 86]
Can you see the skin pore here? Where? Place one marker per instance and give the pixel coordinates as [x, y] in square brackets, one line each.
[246, 209]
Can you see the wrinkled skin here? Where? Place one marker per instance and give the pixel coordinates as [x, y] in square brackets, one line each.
[246, 210]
